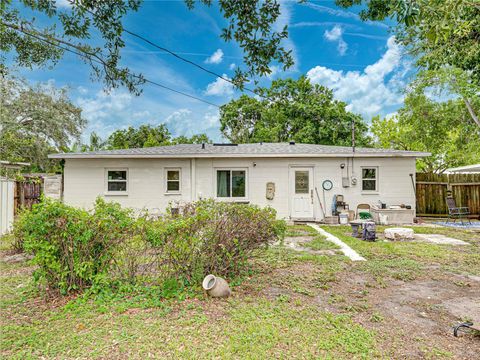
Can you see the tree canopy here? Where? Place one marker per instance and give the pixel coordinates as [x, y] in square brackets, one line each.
[144, 136]
[291, 110]
[437, 33]
[442, 36]
[441, 128]
[250, 23]
[36, 121]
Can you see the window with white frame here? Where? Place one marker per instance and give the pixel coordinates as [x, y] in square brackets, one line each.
[117, 180]
[369, 179]
[231, 183]
[173, 177]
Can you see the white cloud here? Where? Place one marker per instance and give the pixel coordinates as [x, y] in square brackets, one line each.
[336, 35]
[371, 91]
[220, 87]
[82, 90]
[63, 4]
[184, 122]
[286, 8]
[215, 58]
[274, 70]
[104, 104]
[391, 115]
[141, 114]
[232, 66]
[344, 25]
[342, 13]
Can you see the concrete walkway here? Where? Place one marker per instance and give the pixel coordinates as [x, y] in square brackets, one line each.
[440, 239]
[347, 250]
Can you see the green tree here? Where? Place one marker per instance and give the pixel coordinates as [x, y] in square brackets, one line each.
[436, 127]
[437, 32]
[195, 139]
[95, 143]
[292, 110]
[450, 80]
[443, 37]
[36, 121]
[250, 23]
[143, 136]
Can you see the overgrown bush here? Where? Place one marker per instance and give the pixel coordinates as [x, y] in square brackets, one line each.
[76, 249]
[213, 237]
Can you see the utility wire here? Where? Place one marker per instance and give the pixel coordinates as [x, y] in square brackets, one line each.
[176, 55]
[89, 57]
[187, 60]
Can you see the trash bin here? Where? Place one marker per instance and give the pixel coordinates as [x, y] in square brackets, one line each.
[369, 231]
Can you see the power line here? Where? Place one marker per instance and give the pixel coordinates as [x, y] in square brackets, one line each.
[186, 60]
[101, 62]
[177, 55]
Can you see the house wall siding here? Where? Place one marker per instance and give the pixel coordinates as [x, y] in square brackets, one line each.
[85, 180]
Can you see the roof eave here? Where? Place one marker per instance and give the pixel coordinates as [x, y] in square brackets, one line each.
[197, 156]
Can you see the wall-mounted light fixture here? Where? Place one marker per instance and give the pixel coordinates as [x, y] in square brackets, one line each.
[342, 166]
[254, 164]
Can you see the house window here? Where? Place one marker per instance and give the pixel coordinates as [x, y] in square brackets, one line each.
[231, 183]
[369, 179]
[117, 181]
[173, 180]
[301, 182]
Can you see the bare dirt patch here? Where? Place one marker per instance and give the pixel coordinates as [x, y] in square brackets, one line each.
[416, 318]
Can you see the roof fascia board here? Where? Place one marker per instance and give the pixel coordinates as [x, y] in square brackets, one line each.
[207, 156]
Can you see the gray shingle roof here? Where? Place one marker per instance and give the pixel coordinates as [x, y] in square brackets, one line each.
[240, 150]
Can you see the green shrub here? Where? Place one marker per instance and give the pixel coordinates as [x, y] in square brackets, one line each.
[74, 249]
[109, 247]
[213, 237]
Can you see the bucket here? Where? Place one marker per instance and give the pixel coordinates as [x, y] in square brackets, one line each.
[344, 219]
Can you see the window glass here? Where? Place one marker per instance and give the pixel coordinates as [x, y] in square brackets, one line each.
[173, 180]
[231, 183]
[301, 182]
[223, 183]
[117, 186]
[117, 180]
[173, 175]
[117, 175]
[369, 179]
[238, 183]
[369, 173]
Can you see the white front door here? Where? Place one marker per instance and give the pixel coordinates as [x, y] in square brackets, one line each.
[301, 193]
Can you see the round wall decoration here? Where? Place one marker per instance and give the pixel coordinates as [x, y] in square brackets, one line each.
[327, 185]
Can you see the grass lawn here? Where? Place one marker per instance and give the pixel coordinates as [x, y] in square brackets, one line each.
[399, 304]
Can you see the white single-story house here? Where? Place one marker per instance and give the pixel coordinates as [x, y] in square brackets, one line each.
[298, 180]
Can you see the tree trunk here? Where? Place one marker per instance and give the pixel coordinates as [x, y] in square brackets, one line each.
[470, 110]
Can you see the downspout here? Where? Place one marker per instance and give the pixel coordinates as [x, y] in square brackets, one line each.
[353, 151]
[193, 179]
[414, 192]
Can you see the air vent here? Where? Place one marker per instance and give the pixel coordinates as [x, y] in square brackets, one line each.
[223, 144]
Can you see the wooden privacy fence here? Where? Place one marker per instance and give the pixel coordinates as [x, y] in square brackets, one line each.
[432, 189]
[27, 192]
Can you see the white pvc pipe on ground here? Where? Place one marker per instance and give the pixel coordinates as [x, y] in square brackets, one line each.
[347, 250]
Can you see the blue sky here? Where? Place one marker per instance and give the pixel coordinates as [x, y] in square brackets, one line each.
[359, 61]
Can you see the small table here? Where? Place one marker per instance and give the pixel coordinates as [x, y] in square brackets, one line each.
[356, 225]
